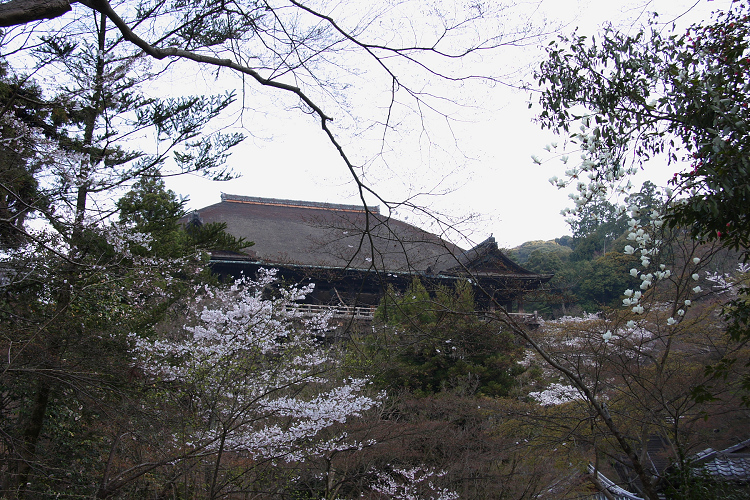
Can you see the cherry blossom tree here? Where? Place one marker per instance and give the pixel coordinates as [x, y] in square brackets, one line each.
[252, 382]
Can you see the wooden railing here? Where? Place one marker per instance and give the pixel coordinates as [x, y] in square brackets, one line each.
[360, 312]
[366, 313]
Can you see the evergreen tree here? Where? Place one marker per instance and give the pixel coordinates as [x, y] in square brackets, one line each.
[152, 210]
[76, 286]
[428, 344]
[20, 195]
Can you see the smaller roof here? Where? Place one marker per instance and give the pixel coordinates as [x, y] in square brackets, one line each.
[730, 464]
[487, 259]
[615, 491]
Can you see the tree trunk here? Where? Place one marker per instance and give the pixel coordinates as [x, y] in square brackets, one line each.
[31, 435]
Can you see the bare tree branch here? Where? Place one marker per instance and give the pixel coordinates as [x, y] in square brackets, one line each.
[17, 12]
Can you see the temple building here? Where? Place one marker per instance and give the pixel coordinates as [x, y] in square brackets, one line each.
[353, 254]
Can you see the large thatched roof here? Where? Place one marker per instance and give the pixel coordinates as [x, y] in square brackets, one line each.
[347, 236]
[318, 234]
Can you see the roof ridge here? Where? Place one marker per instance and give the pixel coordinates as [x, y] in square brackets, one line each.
[708, 453]
[316, 205]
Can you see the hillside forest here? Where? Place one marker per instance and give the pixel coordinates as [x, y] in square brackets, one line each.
[591, 269]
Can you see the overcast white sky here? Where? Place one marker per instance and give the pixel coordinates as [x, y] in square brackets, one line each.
[487, 171]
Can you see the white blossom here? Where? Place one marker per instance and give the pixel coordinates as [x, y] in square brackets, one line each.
[245, 358]
[416, 483]
[556, 394]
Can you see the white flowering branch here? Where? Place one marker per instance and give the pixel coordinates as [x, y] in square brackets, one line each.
[261, 385]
